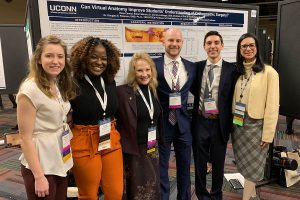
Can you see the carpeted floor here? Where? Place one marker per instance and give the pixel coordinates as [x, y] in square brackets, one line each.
[270, 191]
[12, 188]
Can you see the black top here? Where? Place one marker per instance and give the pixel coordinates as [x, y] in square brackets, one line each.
[86, 106]
[143, 117]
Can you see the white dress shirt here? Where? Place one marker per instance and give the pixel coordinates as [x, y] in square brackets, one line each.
[168, 66]
[215, 86]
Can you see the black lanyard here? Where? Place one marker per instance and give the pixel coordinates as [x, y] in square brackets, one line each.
[243, 88]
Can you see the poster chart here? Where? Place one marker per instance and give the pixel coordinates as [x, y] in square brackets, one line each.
[135, 27]
[2, 76]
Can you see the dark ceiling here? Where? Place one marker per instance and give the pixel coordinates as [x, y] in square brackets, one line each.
[267, 8]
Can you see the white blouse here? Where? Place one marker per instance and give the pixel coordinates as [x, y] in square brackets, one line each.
[47, 133]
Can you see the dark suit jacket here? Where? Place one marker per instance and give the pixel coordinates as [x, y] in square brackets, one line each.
[163, 91]
[127, 120]
[226, 88]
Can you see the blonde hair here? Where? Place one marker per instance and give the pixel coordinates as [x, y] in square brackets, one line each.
[36, 72]
[131, 79]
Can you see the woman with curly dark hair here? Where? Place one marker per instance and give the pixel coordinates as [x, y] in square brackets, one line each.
[96, 144]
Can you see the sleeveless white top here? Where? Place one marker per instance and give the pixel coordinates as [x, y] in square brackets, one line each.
[47, 133]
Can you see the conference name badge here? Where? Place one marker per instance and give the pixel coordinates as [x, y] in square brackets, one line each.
[210, 106]
[66, 151]
[104, 134]
[152, 142]
[175, 100]
[239, 114]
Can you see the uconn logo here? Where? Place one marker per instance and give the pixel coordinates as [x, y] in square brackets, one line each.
[61, 9]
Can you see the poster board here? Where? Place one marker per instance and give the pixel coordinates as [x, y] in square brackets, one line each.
[119, 20]
[286, 57]
[14, 57]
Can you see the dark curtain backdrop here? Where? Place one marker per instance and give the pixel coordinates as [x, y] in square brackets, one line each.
[287, 57]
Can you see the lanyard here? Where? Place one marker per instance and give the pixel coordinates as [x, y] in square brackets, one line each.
[243, 88]
[150, 107]
[174, 79]
[61, 103]
[102, 102]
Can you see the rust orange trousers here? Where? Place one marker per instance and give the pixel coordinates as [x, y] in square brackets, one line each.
[93, 168]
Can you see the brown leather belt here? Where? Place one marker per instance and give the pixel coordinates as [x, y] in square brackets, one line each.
[208, 116]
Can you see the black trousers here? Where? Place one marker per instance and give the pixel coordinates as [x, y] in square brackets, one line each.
[208, 146]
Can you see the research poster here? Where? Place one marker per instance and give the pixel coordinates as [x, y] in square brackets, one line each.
[2, 76]
[135, 27]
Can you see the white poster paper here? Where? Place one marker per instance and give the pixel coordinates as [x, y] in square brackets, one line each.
[135, 27]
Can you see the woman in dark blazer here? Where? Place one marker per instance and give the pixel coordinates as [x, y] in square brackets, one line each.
[139, 122]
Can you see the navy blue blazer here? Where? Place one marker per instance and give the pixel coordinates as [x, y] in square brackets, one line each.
[226, 88]
[163, 91]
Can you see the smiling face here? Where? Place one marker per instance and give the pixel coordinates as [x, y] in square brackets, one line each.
[248, 49]
[53, 60]
[143, 73]
[173, 43]
[213, 47]
[97, 61]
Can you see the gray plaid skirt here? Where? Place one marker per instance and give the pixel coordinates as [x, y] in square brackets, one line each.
[250, 158]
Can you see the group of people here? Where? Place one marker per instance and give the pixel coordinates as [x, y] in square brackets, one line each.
[71, 115]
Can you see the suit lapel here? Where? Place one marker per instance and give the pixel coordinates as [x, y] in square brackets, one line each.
[200, 75]
[223, 77]
[131, 99]
[188, 70]
[160, 71]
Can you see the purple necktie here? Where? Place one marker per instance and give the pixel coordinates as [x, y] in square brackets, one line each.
[175, 88]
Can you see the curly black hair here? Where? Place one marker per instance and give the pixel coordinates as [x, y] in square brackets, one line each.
[85, 47]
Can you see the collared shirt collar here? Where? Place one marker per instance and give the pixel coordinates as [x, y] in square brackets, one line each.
[169, 60]
[219, 63]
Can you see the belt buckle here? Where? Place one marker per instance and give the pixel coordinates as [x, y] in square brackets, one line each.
[212, 116]
[208, 116]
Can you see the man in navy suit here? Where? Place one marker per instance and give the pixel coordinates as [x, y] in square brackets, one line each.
[212, 116]
[175, 77]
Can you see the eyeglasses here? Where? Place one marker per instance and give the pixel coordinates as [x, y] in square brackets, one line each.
[245, 46]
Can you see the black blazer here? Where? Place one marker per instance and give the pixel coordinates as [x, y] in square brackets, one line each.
[127, 120]
[226, 88]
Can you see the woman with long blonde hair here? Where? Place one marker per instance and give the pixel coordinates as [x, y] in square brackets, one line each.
[139, 122]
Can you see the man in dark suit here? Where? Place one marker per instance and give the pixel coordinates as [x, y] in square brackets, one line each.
[175, 77]
[212, 116]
